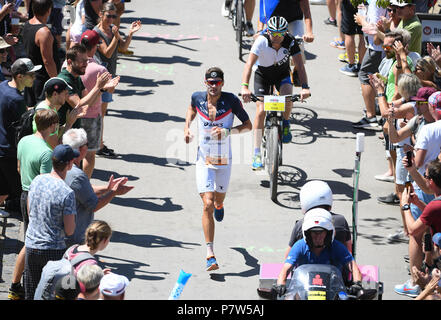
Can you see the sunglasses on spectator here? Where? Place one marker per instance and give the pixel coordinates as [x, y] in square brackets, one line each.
[393, 10]
[2, 51]
[386, 47]
[426, 176]
[214, 82]
[111, 16]
[277, 34]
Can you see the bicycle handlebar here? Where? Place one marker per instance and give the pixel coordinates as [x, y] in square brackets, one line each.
[254, 98]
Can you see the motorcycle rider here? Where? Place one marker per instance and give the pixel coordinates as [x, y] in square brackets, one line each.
[319, 247]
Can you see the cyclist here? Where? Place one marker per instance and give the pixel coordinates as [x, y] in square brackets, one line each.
[271, 52]
[249, 6]
[319, 247]
[215, 110]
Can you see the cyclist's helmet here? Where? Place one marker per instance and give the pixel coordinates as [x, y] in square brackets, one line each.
[277, 24]
[315, 193]
[318, 219]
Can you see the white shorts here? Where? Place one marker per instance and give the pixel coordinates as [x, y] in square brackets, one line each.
[212, 179]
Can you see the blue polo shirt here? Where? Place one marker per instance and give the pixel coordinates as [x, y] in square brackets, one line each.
[338, 255]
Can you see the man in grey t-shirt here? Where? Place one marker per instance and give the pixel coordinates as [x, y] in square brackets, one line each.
[52, 211]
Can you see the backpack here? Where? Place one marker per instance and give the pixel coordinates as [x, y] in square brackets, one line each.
[55, 270]
[23, 126]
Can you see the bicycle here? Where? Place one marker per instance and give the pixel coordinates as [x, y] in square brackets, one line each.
[237, 15]
[272, 146]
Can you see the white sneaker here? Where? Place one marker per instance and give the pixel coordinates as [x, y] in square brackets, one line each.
[226, 8]
[398, 236]
[4, 214]
[382, 177]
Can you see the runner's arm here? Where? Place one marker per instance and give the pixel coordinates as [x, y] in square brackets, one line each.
[189, 117]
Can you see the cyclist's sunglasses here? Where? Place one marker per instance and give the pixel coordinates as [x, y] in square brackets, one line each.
[278, 34]
[214, 82]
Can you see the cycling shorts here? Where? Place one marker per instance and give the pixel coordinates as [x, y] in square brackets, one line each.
[210, 179]
[263, 86]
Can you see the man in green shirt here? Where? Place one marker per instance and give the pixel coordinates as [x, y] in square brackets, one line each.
[410, 22]
[56, 92]
[79, 96]
[34, 157]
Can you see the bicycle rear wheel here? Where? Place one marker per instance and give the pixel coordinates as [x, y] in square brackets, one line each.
[273, 159]
[240, 25]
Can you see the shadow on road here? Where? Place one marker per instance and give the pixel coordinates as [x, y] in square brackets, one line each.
[129, 268]
[144, 60]
[250, 261]
[149, 241]
[147, 116]
[143, 203]
[104, 175]
[146, 21]
[159, 161]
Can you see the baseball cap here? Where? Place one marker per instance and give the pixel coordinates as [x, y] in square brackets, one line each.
[401, 3]
[423, 94]
[437, 239]
[64, 153]
[23, 66]
[67, 288]
[55, 84]
[113, 284]
[92, 36]
[3, 43]
[435, 100]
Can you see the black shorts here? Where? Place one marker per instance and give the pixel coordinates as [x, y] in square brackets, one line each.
[262, 86]
[10, 179]
[348, 25]
[56, 19]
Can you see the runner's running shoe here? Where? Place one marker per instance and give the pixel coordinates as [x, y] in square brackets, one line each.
[212, 264]
[257, 162]
[407, 289]
[219, 213]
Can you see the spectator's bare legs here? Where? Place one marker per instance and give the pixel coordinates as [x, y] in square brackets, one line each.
[361, 47]
[332, 8]
[338, 9]
[368, 94]
[19, 266]
[350, 47]
[103, 113]
[89, 163]
[416, 254]
[399, 188]
[3, 198]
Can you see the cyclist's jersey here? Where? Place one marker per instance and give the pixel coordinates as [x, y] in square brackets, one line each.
[228, 106]
[272, 64]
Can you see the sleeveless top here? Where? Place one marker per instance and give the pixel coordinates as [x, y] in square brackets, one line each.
[33, 51]
[109, 63]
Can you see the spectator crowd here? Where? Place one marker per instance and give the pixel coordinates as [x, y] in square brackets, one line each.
[54, 97]
[65, 86]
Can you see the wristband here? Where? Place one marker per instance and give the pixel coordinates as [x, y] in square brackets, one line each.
[245, 84]
[227, 132]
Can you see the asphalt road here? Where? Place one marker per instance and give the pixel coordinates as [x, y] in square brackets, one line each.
[157, 226]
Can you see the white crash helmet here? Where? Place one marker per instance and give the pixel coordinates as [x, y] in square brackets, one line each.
[315, 193]
[318, 218]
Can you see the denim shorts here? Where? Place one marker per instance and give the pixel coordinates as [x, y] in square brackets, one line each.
[106, 97]
[401, 174]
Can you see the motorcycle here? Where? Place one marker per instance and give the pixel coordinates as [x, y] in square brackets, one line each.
[317, 282]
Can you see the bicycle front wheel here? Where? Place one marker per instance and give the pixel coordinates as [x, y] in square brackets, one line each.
[240, 25]
[273, 160]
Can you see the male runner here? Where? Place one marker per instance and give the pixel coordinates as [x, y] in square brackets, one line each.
[215, 110]
[271, 52]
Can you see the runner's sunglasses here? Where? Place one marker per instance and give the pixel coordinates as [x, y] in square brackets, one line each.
[214, 82]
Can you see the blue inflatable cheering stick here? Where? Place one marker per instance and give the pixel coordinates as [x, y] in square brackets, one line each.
[179, 286]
